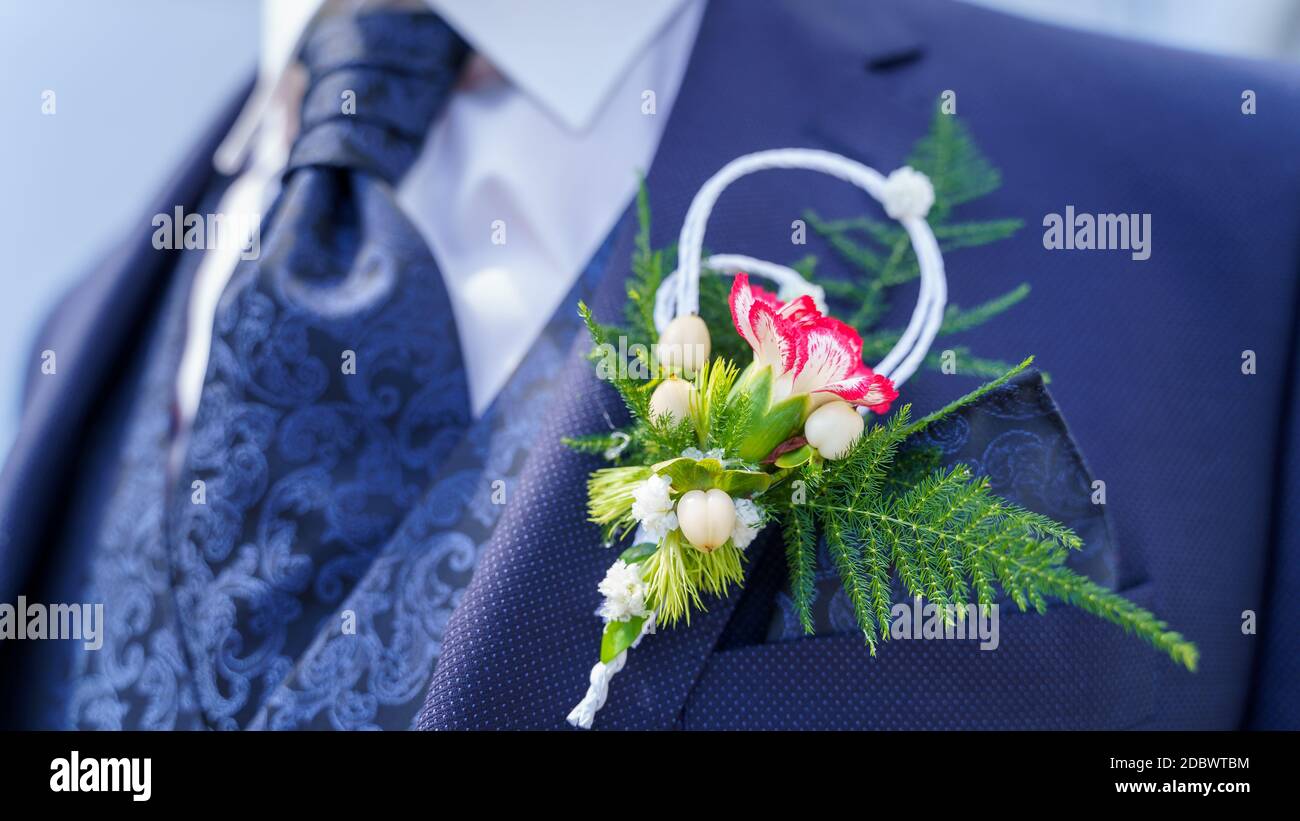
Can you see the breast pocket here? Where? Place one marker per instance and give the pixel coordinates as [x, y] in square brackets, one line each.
[1063, 669]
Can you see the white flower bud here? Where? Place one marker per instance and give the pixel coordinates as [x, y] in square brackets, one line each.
[833, 428]
[706, 518]
[684, 344]
[672, 398]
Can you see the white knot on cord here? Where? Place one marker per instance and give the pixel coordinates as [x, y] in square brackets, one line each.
[906, 194]
[584, 714]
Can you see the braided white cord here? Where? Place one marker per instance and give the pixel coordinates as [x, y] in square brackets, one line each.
[679, 293]
[584, 713]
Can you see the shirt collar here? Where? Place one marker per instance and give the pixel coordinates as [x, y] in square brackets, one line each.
[566, 56]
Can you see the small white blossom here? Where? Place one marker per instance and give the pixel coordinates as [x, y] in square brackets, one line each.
[749, 521]
[907, 193]
[659, 525]
[652, 506]
[652, 496]
[624, 592]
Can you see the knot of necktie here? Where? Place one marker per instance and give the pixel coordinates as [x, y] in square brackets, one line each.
[376, 83]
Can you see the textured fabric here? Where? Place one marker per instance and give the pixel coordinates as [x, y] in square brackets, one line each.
[1275, 699]
[540, 102]
[114, 551]
[1188, 464]
[85, 430]
[397, 68]
[1144, 357]
[375, 677]
[335, 387]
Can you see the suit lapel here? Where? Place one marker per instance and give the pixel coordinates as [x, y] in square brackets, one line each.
[518, 650]
[89, 333]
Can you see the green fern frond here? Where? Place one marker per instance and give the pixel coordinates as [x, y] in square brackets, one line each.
[595, 443]
[647, 274]
[956, 319]
[635, 393]
[861, 474]
[729, 429]
[709, 402]
[800, 533]
[1090, 597]
[956, 167]
[947, 536]
[970, 398]
[881, 252]
[952, 236]
[666, 438]
[846, 555]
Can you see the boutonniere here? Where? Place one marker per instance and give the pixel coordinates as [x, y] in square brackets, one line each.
[750, 409]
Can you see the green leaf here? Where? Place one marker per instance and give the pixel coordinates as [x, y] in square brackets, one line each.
[639, 552]
[794, 458]
[738, 483]
[618, 636]
[686, 474]
[769, 424]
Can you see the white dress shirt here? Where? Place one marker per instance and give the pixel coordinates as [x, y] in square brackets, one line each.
[544, 136]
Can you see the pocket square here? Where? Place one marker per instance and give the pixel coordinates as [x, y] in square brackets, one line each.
[1018, 438]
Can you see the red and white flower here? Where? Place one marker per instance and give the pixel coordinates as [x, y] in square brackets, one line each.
[809, 353]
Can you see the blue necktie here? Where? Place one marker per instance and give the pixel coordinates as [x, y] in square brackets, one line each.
[335, 385]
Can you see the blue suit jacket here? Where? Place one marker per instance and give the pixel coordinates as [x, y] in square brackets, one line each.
[1199, 459]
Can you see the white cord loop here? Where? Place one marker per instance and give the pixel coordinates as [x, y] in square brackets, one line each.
[906, 195]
